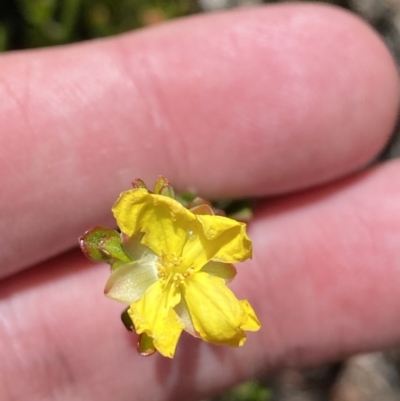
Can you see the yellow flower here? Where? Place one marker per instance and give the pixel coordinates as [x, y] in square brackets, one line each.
[176, 279]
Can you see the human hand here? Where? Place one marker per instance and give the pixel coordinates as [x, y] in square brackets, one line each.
[257, 102]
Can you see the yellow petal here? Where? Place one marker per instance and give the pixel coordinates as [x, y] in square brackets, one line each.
[194, 253]
[217, 315]
[129, 282]
[128, 207]
[234, 244]
[164, 221]
[251, 322]
[153, 314]
[216, 238]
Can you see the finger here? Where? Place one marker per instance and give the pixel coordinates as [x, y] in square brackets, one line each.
[246, 103]
[324, 281]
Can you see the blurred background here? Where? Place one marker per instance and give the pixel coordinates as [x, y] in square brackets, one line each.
[38, 23]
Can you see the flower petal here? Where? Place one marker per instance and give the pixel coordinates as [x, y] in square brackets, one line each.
[234, 244]
[163, 220]
[154, 315]
[129, 282]
[217, 314]
[216, 238]
[251, 323]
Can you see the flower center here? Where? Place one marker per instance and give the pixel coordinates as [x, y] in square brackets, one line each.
[171, 268]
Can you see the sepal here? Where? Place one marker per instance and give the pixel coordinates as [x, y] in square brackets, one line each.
[111, 247]
[127, 321]
[138, 183]
[145, 346]
[163, 187]
[90, 243]
[161, 181]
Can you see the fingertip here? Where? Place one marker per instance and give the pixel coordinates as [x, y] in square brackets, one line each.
[267, 100]
[313, 95]
[247, 103]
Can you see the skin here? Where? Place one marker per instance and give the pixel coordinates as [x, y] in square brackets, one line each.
[289, 103]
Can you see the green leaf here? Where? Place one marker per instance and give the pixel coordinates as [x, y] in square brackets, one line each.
[185, 198]
[244, 215]
[250, 391]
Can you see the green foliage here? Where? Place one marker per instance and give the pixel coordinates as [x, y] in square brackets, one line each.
[249, 391]
[3, 36]
[38, 23]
